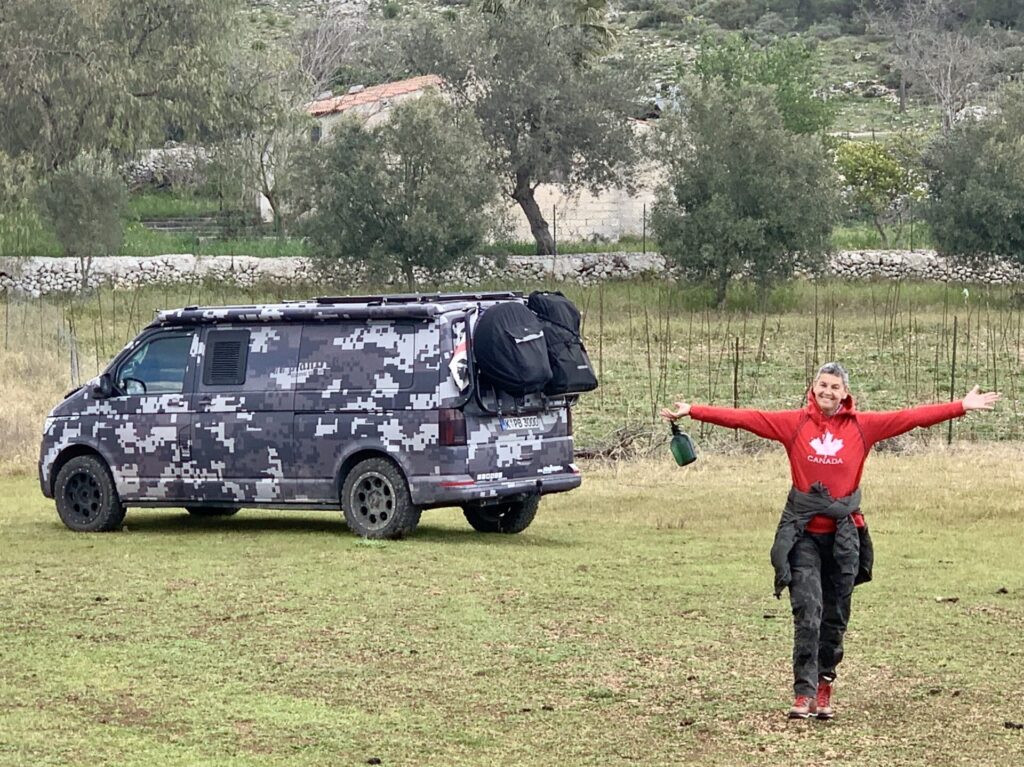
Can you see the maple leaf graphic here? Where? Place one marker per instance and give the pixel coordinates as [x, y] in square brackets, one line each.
[827, 445]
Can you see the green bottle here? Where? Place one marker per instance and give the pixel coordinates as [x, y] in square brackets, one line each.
[682, 447]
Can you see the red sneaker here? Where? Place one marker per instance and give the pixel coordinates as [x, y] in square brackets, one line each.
[803, 707]
[823, 701]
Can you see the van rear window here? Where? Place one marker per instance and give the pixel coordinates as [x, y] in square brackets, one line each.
[226, 355]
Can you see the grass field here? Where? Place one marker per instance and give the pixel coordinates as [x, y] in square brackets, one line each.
[633, 623]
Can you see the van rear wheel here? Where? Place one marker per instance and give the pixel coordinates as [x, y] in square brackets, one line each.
[86, 497]
[507, 517]
[212, 511]
[376, 502]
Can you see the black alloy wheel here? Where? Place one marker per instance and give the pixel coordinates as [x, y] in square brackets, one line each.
[376, 501]
[86, 497]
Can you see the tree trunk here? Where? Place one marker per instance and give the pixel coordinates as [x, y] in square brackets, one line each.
[523, 195]
[721, 285]
[881, 231]
[903, 93]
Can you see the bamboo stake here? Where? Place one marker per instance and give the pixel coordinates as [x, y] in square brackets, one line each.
[650, 368]
[600, 339]
[736, 382]
[952, 380]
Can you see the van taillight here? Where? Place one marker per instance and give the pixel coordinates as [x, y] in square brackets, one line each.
[453, 427]
[568, 420]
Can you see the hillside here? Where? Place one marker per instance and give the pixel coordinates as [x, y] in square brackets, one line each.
[855, 70]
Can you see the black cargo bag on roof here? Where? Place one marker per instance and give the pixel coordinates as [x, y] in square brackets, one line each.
[571, 371]
[511, 350]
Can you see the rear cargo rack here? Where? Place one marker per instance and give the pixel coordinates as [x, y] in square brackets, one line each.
[418, 298]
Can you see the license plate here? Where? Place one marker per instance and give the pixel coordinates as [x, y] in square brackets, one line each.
[519, 423]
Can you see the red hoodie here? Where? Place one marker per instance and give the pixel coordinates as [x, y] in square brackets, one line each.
[827, 449]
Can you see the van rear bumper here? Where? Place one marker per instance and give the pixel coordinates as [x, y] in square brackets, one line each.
[461, 488]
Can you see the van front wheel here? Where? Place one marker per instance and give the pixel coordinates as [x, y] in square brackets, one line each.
[508, 517]
[87, 499]
[376, 501]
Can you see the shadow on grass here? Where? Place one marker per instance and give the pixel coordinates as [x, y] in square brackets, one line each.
[175, 522]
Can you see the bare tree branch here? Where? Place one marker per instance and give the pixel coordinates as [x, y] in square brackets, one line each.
[931, 44]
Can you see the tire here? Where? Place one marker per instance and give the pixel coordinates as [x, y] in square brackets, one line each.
[212, 511]
[86, 497]
[376, 502]
[507, 517]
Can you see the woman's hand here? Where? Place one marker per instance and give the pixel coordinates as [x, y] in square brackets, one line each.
[978, 400]
[682, 408]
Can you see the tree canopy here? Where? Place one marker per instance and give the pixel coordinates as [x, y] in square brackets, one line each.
[413, 192]
[976, 176]
[880, 179]
[551, 110]
[788, 66]
[744, 194]
[80, 76]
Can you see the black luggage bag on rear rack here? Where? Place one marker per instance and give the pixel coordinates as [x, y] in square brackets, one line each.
[511, 350]
[571, 371]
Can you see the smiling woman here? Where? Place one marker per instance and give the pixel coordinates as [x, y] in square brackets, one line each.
[822, 548]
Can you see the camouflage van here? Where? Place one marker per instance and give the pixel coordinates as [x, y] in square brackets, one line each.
[371, 403]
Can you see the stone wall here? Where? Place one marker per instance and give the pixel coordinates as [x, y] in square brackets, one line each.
[43, 276]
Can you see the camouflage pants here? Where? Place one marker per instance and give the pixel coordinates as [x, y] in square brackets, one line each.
[820, 594]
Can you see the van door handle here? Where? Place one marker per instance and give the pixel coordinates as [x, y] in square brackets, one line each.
[206, 400]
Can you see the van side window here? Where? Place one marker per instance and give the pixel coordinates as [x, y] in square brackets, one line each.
[358, 356]
[226, 355]
[157, 367]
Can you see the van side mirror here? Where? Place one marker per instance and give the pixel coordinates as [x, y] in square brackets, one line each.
[104, 389]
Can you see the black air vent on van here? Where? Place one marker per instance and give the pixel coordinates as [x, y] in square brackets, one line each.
[226, 354]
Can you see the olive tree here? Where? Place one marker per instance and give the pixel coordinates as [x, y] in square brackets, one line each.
[83, 201]
[744, 196]
[412, 193]
[976, 178]
[552, 107]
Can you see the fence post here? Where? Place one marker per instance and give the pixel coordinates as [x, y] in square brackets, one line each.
[554, 229]
[644, 227]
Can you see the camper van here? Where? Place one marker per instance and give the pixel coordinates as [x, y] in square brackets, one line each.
[381, 405]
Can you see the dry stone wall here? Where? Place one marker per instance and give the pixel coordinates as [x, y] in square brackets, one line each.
[42, 276]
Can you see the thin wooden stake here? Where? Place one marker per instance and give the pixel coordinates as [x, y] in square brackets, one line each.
[952, 380]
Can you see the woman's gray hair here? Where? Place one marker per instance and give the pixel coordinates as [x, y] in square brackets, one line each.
[834, 369]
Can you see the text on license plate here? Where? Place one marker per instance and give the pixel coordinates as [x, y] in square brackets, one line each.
[520, 422]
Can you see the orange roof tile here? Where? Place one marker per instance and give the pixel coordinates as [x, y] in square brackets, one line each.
[370, 95]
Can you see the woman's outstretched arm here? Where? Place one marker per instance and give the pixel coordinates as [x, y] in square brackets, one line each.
[770, 424]
[884, 425]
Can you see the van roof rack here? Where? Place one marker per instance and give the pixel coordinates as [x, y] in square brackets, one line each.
[418, 298]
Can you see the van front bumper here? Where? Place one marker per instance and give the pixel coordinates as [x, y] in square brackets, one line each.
[456, 489]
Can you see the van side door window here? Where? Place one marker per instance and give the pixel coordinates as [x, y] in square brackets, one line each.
[244, 399]
[157, 367]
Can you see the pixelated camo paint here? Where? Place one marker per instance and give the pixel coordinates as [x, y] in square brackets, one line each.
[322, 383]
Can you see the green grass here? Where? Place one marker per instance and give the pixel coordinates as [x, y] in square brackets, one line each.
[139, 241]
[157, 205]
[633, 623]
[865, 237]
